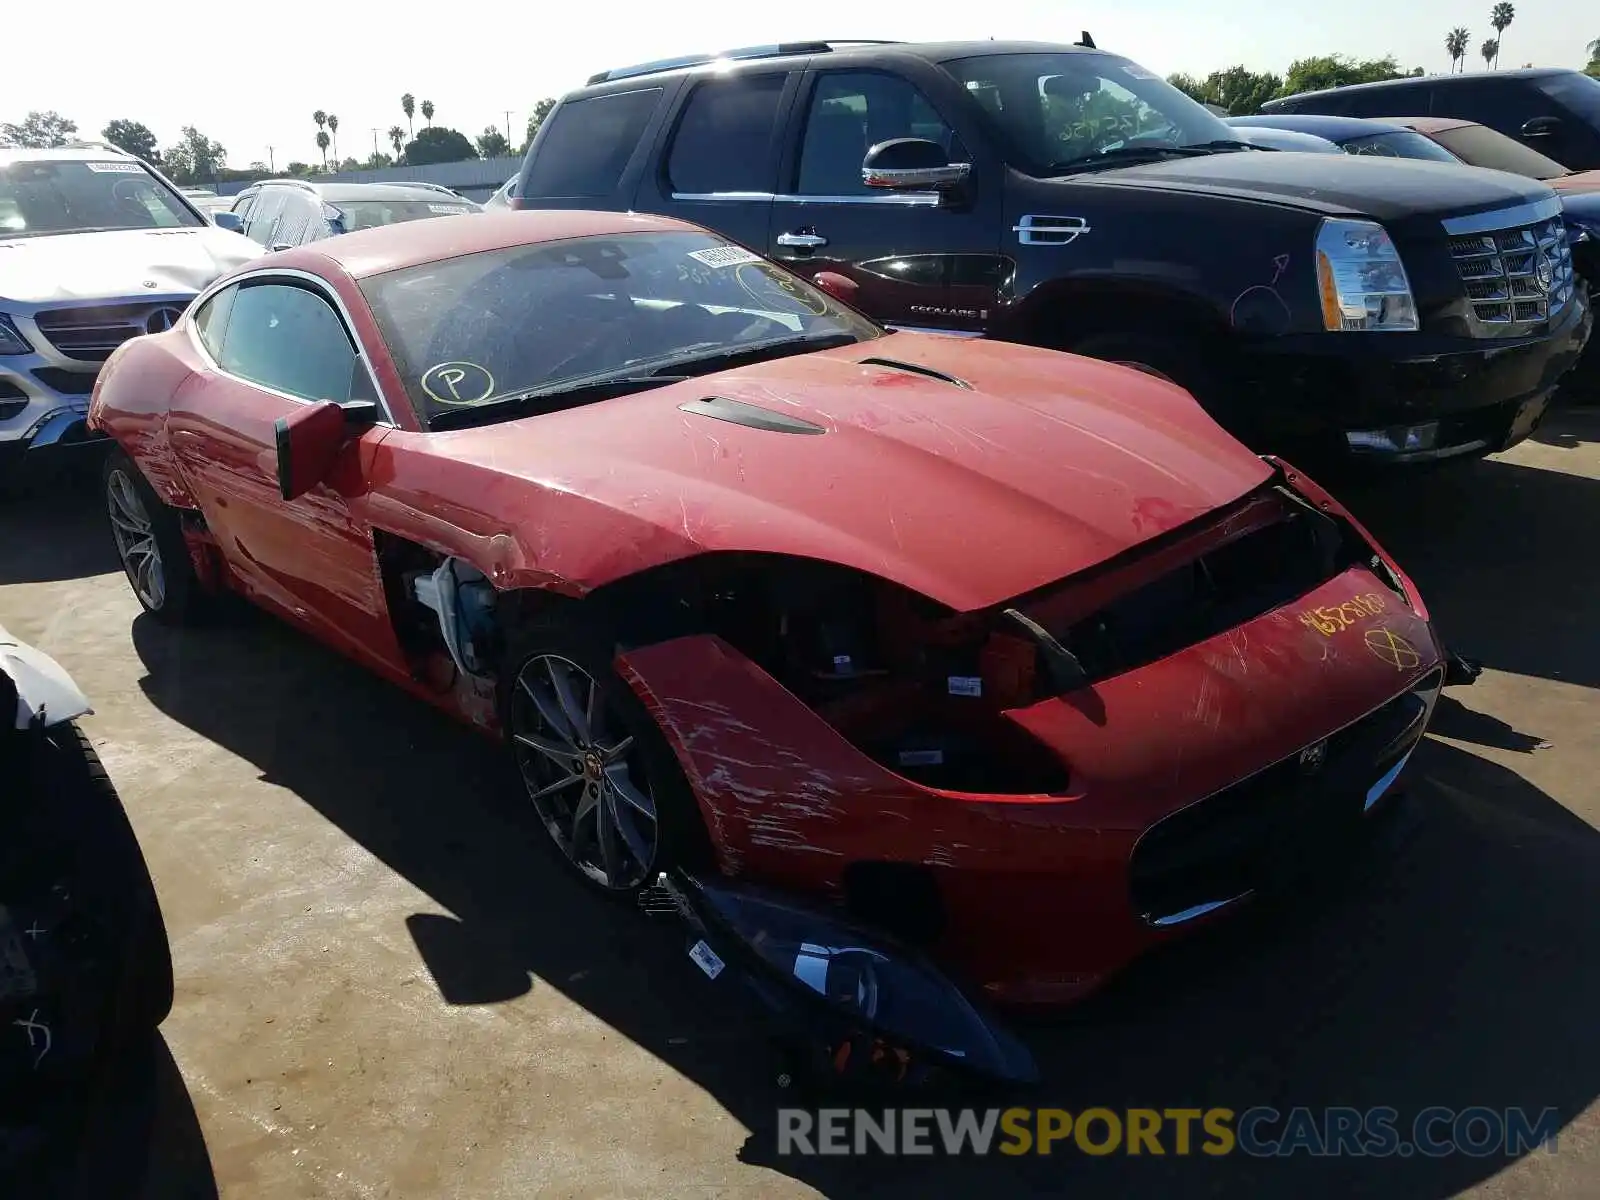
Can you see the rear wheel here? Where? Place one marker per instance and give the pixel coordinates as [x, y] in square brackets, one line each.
[597, 771]
[150, 545]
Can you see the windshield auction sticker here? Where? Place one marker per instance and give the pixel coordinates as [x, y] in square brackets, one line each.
[458, 383]
[724, 256]
[115, 168]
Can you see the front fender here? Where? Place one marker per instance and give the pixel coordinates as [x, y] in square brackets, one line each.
[45, 693]
[130, 402]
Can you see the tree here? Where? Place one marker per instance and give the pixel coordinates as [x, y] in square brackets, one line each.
[492, 143]
[438, 144]
[397, 138]
[39, 131]
[408, 105]
[195, 159]
[1500, 18]
[257, 167]
[133, 137]
[379, 159]
[541, 110]
[333, 132]
[298, 170]
[1490, 51]
[1238, 90]
[322, 144]
[427, 112]
[1455, 44]
[1336, 70]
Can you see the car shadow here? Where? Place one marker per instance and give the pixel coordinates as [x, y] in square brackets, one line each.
[138, 1139]
[1576, 421]
[1457, 967]
[55, 533]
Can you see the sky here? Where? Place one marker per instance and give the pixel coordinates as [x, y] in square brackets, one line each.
[255, 90]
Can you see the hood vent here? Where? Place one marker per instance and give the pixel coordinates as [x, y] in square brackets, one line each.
[894, 364]
[720, 408]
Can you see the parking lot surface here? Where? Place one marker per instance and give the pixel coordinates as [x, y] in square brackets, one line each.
[386, 990]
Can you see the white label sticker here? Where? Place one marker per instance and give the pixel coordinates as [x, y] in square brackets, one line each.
[965, 685]
[115, 168]
[706, 959]
[1138, 72]
[724, 256]
[841, 662]
[921, 758]
[447, 208]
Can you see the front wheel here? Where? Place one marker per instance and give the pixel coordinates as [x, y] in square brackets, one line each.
[150, 545]
[598, 772]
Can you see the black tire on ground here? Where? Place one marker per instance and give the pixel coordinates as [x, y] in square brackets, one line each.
[682, 838]
[184, 600]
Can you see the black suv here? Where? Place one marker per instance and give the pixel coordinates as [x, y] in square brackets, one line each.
[1065, 197]
[279, 213]
[1555, 111]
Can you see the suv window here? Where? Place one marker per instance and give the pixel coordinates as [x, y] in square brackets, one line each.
[852, 111]
[289, 339]
[1502, 104]
[264, 215]
[1401, 100]
[1578, 92]
[724, 140]
[589, 142]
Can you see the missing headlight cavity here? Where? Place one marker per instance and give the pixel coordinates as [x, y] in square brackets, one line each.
[920, 689]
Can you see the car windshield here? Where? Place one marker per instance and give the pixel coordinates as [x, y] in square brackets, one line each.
[1485, 147]
[491, 328]
[1579, 92]
[1403, 143]
[369, 214]
[47, 196]
[1060, 110]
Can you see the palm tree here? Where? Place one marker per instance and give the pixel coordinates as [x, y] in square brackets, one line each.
[1490, 50]
[333, 128]
[320, 117]
[398, 137]
[322, 144]
[408, 104]
[1500, 16]
[1455, 44]
[427, 112]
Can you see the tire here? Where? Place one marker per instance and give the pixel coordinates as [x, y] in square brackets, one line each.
[1176, 360]
[175, 594]
[572, 647]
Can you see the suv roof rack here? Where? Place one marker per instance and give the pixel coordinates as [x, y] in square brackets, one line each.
[773, 50]
[424, 183]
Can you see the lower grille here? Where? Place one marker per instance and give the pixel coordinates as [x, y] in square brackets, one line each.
[1246, 837]
[91, 333]
[68, 383]
[1517, 276]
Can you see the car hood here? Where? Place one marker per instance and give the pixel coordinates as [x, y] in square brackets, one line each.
[1035, 466]
[1384, 189]
[1578, 183]
[118, 263]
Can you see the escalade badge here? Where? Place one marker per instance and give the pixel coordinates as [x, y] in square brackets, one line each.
[1543, 272]
[162, 320]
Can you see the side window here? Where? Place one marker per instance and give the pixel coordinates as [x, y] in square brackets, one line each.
[1401, 101]
[852, 111]
[289, 339]
[295, 225]
[211, 320]
[243, 205]
[264, 215]
[589, 142]
[724, 139]
[1501, 104]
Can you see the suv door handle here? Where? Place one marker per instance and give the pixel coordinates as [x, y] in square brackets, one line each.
[802, 241]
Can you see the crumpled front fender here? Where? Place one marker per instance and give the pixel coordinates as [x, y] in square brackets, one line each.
[45, 692]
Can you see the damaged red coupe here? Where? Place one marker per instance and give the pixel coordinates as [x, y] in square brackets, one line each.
[1008, 654]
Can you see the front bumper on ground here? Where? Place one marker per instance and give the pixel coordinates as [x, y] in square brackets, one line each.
[1401, 397]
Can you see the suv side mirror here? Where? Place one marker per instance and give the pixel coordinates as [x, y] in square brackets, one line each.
[228, 220]
[912, 164]
[308, 441]
[1541, 127]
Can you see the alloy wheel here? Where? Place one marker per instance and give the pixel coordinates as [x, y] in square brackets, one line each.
[584, 773]
[136, 540]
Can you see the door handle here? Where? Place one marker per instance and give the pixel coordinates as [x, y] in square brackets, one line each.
[802, 241]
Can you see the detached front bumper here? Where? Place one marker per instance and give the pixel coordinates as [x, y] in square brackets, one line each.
[1401, 398]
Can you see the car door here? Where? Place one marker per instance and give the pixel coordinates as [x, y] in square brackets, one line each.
[719, 162]
[268, 345]
[919, 259]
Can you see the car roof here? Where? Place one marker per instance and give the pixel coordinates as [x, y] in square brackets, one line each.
[1334, 129]
[1463, 78]
[350, 193]
[393, 247]
[84, 152]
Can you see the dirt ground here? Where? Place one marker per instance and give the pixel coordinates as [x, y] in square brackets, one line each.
[384, 991]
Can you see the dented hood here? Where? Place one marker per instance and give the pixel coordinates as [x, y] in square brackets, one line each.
[118, 263]
[1043, 464]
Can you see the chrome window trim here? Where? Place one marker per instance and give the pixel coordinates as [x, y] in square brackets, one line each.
[316, 284]
[902, 199]
[1504, 218]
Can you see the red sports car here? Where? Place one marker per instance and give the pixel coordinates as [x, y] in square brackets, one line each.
[1013, 655]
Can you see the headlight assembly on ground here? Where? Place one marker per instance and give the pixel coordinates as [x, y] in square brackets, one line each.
[1261, 1132]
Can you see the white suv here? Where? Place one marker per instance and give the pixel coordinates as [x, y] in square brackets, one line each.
[95, 248]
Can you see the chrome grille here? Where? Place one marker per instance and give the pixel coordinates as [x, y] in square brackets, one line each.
[1517, 276]
[92, 332]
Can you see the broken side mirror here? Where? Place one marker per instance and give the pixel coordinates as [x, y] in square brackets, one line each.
[840, 287]
[309, 439]
[912, 164]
